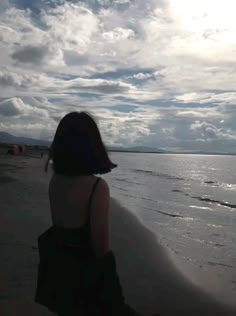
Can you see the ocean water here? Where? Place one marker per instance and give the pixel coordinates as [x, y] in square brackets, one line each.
[188, 201]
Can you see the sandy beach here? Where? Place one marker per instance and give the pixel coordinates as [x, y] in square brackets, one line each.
[150, 281]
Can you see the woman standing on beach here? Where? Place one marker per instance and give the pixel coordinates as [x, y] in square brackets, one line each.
[77, 270]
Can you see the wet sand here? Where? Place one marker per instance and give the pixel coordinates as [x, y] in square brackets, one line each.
[150, 281]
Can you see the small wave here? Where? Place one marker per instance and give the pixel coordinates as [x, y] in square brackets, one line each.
[213, 225]
[147, 199]
[172, 215]
[160, 224]
[187, 236]
[157, 174]
[200, 207]
[228, 186]
[209, 182]
[180, 191]
[219, 264]
[139, 197]
[199, 240]
[189, 218]
[194, 239]
[215, 235]
[121, 179]
[122, 189]
[169, 214]
[164, 213]
[127, 181]
[143, 171]
[130, 195]
[219, 245]
[209, 200]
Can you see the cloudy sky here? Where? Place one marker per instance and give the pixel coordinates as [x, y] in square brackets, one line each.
[157, 73]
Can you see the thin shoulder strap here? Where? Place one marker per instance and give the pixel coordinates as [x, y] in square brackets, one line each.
[91, 196]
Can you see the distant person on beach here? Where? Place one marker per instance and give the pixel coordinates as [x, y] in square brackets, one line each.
[77, 271]
[41, 154]
[48, 159]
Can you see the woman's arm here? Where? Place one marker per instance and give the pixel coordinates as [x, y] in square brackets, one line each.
[102, 271]
[48, 159]
[99, 219]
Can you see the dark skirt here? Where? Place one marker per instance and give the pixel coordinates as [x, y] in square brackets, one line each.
[72, 282]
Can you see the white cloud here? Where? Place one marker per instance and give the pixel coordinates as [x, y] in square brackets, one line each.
[12, 107]
[8, 78]
[8, 34]
[118, 34]
[28, 117]
[198, 97]
[141, 76]
[4, 4]
[16, 107]
[26, 42]
[202, 15]
[24, 129]
[125, 129]
[177, 55]
[100, 85]
[209, 132]
[51, 85]
[71, 26]
[144, 76]
[200, 113]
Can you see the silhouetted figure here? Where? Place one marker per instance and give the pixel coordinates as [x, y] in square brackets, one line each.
[41, 154]
[13, 150]
[77, 271]
[10, 152]
[21, 148]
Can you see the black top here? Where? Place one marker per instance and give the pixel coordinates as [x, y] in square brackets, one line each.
[71, 280]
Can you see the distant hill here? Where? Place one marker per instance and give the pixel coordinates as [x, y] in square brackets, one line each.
[143, 149]
[11, 139]
[8, 138]
[137, 149]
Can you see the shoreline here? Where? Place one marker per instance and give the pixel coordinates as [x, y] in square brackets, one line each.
[150, 280]
[159, 286]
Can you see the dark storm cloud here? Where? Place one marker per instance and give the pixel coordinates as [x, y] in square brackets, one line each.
[30, 54]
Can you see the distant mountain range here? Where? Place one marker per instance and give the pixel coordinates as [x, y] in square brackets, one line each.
[11, 139]
[137, 149]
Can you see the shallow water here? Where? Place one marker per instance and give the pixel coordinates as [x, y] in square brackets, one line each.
[189, 202]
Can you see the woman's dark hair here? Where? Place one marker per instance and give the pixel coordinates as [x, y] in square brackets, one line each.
[77, 147]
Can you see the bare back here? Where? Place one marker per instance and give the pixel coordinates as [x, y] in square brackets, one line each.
[69, 201]
[69, 197]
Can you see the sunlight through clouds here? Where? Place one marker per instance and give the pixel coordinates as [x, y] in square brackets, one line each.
[204, 14]
[172, 58]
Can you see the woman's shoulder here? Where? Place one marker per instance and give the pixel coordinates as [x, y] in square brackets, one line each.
[102, 186]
